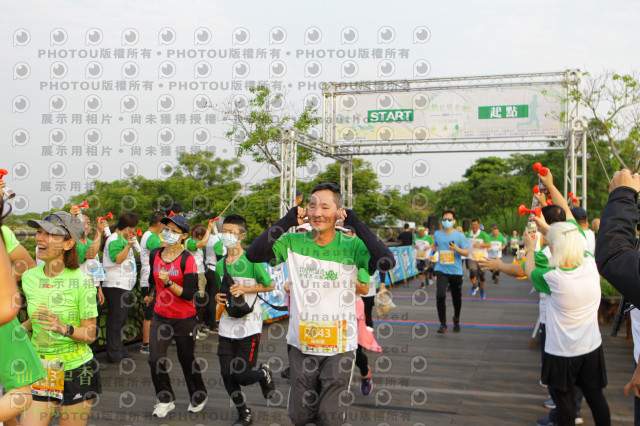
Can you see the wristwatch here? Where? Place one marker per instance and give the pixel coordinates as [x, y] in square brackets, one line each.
[169, 284]
[70, 331]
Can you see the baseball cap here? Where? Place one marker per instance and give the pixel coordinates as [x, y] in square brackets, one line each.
[180, 221]
[298, 193]
[579, 213]
[60, 223]
[494, 226]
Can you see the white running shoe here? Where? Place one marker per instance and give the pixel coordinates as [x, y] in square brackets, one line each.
[161, 409]
[198, 407]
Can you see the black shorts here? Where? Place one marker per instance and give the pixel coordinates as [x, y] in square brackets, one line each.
[421, 265]
[245, 348]
[80, 384]
[584, 371]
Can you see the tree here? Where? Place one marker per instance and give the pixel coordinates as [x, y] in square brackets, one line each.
[614, 101]
[257, 129]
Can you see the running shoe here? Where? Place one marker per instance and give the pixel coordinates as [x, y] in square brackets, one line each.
[474, 290]
[286, 373]
[161, 409]
[422, 285]
[579, 420]
[456, 325]
[367, 384]
[198, 407]
[442, 329]
[549, 404]
[201, 334]
[545, 422]
[145, 349]
[482, 296]
[245, 418]
[267, 384]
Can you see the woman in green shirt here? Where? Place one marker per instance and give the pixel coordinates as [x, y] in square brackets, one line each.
[62, 311]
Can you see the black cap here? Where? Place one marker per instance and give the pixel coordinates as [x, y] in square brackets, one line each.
[180, 221]
[298, 193]
[579, 213]
[494, 226]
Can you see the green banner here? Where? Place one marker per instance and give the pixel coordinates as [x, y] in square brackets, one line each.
[503, 111]
[389, 115]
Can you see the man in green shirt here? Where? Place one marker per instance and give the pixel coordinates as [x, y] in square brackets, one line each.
[478, 243]
[497, 243]
[422, 243]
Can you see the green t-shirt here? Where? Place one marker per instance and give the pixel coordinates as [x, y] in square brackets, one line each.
[83, 249]
[481, 236]
[72, 297]
[191, 245]
[19, 362]
[323, 283]
[115, 247]
[153, 241]
[247, 273]
[425, 237]
[363, 276]
[10, 240]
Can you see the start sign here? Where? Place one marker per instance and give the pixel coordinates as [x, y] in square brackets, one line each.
[389, 115]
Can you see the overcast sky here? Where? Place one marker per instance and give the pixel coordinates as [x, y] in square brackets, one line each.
[289, 41]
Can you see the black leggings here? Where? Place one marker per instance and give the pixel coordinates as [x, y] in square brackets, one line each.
[455, 284]
[362, 362]
[369, 302]
[596, 400]
[236, 372]
[185, 346]
[211, 288]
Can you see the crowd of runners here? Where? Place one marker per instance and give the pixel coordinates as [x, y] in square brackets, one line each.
[198, 279]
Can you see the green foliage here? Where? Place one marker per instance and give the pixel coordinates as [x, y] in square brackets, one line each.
[607, 289]
[258, 129]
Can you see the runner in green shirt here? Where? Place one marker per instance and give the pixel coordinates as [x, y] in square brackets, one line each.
[19, 362]
[514, 243]
[498, 242]
[61, 303]
[478, 243]
[422, 243]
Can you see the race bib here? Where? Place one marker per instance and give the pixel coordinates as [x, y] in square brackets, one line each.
[421, 255]
[477, 254]
[52, 385]
[447, 257]
[325, 337]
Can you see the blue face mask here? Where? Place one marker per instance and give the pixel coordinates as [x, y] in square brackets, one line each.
[447, 224]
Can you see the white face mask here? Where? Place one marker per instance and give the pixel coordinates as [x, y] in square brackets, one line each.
[229, 240]
[169, 237]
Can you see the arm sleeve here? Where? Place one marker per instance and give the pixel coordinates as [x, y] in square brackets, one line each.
[115, 247]
[152, 279]
[153, 242]
[190, 283]
[540, 284]
[191, 244]
[261, 274]
[262, 248]
[82, 251]
[218, 248]
[617, 258]
[380, 255]
[363, 275]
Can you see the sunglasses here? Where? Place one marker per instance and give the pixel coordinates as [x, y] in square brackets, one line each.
[57, 221]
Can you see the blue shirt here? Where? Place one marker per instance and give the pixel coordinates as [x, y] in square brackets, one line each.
[448, 264]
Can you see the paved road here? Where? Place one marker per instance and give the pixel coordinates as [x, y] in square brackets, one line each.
[485, 375]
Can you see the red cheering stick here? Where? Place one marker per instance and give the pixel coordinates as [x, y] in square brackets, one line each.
[549, 202]
[108, 216]
[523, 209]
[536, 189]
[573, 199]
[84, 205]
[139, 232]
[537, 167]
[7, 193]
[107, 231]
[172, 213]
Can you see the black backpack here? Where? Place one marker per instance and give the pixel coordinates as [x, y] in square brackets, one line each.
[236, 306]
